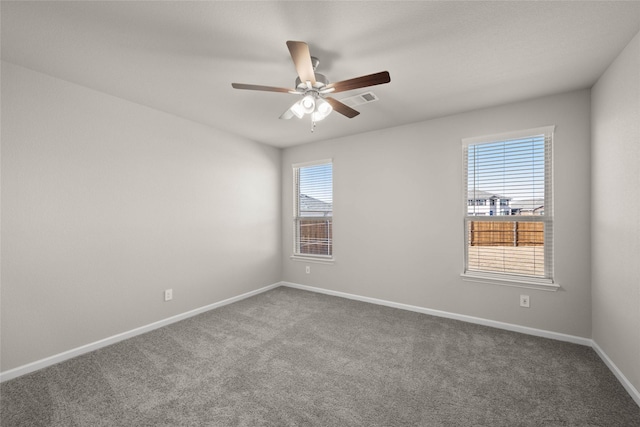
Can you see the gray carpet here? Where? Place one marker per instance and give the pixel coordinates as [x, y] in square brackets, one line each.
[294, 358]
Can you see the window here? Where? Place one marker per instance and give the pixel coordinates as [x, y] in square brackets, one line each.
[313, 209]
[511, 240]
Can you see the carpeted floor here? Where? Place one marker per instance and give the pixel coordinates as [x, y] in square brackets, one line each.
[294, 358]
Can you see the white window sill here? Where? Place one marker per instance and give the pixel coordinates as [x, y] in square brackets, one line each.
[315, 259]
[515, 281]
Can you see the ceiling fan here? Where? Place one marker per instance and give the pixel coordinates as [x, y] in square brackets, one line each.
[314, 87]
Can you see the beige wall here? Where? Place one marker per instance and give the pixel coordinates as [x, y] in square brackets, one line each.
[398, 210]
[616, 212]
[106, 203]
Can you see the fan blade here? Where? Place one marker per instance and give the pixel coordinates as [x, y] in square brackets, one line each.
[258, 87]
[341, 108]
[302, 60]
[358, 82]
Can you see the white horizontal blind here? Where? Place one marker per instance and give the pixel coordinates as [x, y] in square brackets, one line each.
[313, 210]
[508, 205]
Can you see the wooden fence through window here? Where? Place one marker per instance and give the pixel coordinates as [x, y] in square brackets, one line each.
[506, 233]
[316, 236]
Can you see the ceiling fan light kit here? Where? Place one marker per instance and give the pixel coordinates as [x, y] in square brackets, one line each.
[314, 87]
[308, 103]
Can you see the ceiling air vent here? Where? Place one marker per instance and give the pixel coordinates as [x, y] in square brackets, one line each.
[363, 98]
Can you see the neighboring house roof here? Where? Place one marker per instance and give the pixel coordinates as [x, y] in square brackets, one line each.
[527, 204]
[311, 204]
[481, 194]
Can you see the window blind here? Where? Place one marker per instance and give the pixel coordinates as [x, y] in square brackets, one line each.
[508, 225]
[313, 209]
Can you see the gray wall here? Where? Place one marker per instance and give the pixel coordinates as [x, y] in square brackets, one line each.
[398, 210]
[106, 203]
[615, 227]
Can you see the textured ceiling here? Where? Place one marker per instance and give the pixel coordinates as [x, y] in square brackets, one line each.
[443, 57]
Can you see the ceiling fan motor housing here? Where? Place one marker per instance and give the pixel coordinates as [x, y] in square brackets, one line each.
[321, 81]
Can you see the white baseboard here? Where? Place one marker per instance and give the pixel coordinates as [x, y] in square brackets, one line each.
[69, 354]
[635, 394]
[470, 319]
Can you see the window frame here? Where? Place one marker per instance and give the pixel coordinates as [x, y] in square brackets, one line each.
[296, 255]
[547, 218]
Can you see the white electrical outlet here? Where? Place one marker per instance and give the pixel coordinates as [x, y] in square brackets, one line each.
[307, 269]
[168, 294]
[524, 301]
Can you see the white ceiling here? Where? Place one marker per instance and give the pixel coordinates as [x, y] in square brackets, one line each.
[443, 57]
